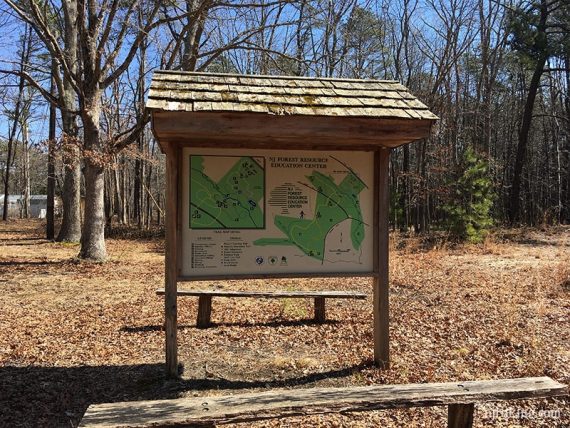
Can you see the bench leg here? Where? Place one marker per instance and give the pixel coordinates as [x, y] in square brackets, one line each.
[320, 315]
[460, 415]
[204, 311]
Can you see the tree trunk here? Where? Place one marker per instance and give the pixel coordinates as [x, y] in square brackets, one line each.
[194, 30]
[9, 158]
[300, 40]
[50, 207]
[93, 236]
[124, 206]
[149, 188]
[514, 208]
[565, 215]
[404, 198]
[26, 172]
[109, 192]
[70, 230]
[118, 201]
[137, 192]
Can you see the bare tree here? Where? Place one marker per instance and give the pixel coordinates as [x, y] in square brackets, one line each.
[70, 230]
[19, 111]
[107, 46]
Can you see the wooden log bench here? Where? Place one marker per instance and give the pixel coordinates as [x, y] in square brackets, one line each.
[459, 398]
[205, 299]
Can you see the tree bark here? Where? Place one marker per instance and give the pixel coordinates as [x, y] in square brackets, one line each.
[50, 208]
[514, 205]
[108, 195]
[118, 199]
[137, 190]
[124, 206]
[514, 200]
[7, 180]
[93, 237]
[194, 29]
[70, 230]
[565, 215]
[93, 234]
[404, 198]
[26, 167]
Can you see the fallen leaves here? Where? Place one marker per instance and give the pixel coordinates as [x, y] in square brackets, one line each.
[76, 333]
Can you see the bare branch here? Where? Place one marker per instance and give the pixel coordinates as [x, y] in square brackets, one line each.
[46, 94]
[129, 136]
[142, 34]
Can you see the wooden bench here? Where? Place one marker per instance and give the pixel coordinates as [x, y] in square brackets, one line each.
[460, 399]
[205, 299]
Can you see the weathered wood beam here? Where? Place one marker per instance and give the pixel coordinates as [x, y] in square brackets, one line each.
[320, 314]
[381, 282]
[304, 275]
[204, 311]
[263, 130]
[460, 415]
[271, 294]
[300, 402]
[205, 299]
[171, 267]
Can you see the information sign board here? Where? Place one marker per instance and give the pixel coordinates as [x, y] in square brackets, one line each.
[256, 212]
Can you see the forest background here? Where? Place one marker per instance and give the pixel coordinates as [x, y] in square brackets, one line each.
[74, 76]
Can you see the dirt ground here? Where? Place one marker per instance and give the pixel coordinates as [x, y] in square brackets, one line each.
[75, 333]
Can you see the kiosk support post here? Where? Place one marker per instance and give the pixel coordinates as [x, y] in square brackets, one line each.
[381, 284]
[171, 264]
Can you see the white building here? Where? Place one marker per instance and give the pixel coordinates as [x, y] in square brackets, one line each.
[37, 209]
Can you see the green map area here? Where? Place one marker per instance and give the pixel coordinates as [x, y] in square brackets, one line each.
[334, 204]
[231, 203]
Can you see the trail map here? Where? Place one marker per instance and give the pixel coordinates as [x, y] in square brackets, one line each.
[233, 201]
[334, 204]
[254, 211]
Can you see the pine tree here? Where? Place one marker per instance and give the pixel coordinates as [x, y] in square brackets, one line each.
[472, 195]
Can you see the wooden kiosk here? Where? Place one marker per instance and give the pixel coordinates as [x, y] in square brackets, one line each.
[289, 144]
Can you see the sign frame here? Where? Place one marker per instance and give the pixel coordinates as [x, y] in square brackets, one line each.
[173, 251]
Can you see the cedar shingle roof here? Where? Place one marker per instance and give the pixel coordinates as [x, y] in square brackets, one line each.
[189, 91]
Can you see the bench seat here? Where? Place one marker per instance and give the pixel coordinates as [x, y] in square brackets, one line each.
[205, 299]
[207, 411]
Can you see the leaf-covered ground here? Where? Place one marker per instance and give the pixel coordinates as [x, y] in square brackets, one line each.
[75, 333]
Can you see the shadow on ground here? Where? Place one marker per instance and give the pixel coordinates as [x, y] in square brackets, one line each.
[20, 239]
[274, 323]
[34, 263]
[217, 383]
[62, 394]
[18, 243]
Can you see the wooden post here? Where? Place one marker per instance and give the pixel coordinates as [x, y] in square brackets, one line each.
[320, 314]
[460, 415]
[204, 311]
[381, 284]
[171, 264]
